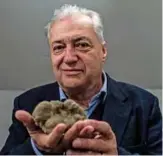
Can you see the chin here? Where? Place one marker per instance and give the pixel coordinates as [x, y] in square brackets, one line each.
[72, 83]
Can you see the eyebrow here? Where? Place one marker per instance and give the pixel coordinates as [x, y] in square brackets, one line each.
[75, 39]
[58, 41]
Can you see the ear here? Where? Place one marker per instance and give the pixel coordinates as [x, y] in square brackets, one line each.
[104, 52]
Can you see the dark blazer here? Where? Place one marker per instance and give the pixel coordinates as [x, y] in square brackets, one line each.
[132, 112]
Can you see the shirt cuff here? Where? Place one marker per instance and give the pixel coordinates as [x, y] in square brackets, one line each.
[37, 152]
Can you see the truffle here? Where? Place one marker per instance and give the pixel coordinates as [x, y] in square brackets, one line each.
[47, 114]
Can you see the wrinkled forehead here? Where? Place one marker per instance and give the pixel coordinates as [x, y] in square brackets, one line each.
[71, 26]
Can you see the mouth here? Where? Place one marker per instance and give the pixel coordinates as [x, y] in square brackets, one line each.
[72, 71]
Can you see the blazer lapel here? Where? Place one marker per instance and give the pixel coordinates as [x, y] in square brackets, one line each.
[51, 92]
[117, 109]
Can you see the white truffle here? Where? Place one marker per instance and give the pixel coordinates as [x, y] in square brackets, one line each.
[47, 114]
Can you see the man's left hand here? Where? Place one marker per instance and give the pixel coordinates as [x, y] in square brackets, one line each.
[104, 142]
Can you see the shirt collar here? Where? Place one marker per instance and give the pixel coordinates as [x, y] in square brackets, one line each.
[102, 92]
[62, 94]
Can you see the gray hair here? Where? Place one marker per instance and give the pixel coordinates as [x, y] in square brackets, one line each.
[70, 10]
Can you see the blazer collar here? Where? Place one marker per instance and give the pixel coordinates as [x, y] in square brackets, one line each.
[116, 90]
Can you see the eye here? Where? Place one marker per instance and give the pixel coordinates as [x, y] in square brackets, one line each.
[82, 46]
[58, 48]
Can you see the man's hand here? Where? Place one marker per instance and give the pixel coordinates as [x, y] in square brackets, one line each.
[80, 152]
[88, 136]
[99, 139]
[46, 142]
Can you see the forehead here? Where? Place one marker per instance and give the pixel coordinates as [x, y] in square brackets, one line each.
[71, 28]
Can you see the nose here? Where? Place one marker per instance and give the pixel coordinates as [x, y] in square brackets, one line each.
[70, 56]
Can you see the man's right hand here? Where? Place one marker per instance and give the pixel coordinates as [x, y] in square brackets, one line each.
[45, 142]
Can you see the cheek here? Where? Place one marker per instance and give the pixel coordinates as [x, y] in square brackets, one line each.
[56, 61]
[92, 61]
[55, 65]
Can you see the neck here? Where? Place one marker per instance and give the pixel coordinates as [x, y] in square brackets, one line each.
[83, 95]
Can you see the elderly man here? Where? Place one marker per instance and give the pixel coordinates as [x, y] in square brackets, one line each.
[127, 118]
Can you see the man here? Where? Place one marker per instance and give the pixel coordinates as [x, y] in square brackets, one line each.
[128, 119]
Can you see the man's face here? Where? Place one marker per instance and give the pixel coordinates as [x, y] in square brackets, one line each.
[76, 52]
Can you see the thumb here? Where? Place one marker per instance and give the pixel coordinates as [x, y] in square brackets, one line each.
[27, 119]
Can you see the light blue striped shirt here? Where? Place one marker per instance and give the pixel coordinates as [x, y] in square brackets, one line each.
[92, 105]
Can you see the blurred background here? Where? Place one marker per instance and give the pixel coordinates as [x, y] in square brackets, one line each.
[132, 29]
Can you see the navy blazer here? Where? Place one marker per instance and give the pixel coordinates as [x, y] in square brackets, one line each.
[132, 112]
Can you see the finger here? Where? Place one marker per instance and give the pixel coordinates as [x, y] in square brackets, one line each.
[98, 145]
[74, 131]
[51, 140]
[87, 132]
[101, 127]
[80, 152]
[57, 135]
[27, 120]
[38, 137]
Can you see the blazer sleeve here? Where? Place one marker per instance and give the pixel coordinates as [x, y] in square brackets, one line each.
[153, 144]
[18, 141]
